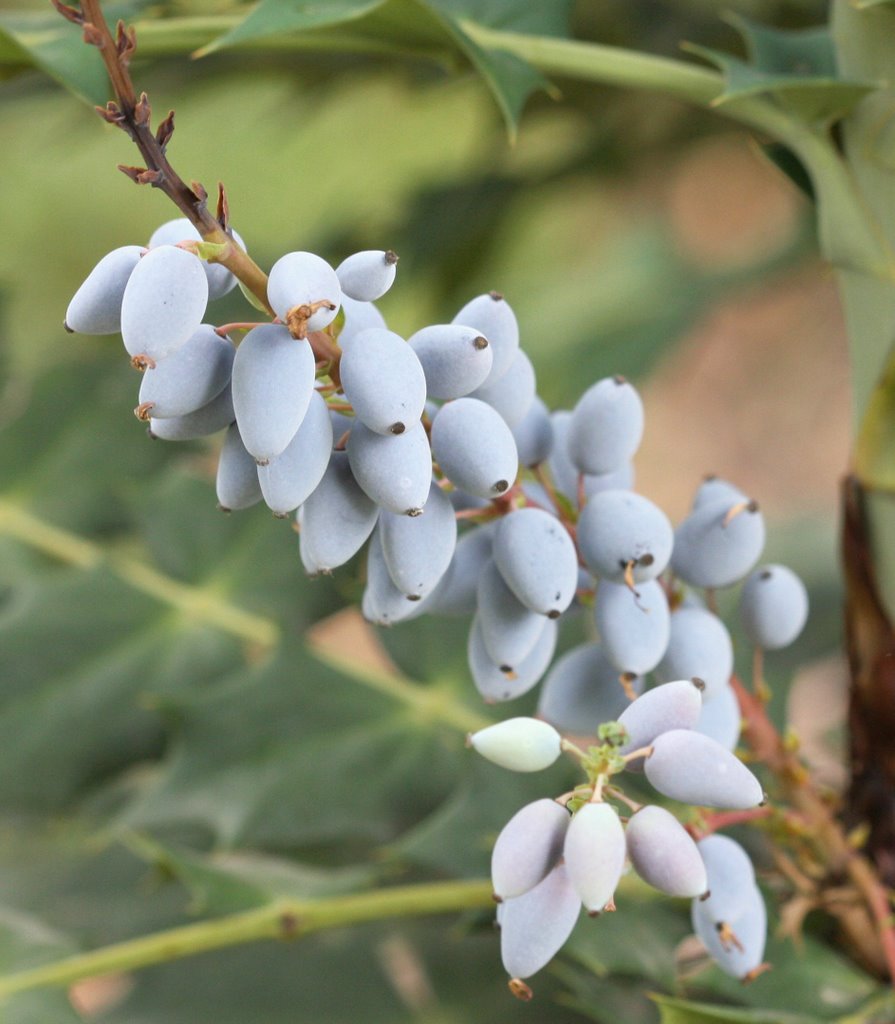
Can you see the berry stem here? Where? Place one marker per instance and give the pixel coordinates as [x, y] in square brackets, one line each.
[283, 919]
[246, 325]
[571, 748]
[132, 114]
[831, 843]
[619, 794]
[710, 823]
[641, 752]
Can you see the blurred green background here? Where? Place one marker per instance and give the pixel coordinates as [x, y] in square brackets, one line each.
[168, 746]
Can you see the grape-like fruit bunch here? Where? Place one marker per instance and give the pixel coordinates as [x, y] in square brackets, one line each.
[473, 498]
[555, 855]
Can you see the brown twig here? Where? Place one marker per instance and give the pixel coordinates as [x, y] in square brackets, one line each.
[710, 823]
[830, 840]
[132, 113]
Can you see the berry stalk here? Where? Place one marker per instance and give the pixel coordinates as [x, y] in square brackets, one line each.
[132, 114]
[831, 843]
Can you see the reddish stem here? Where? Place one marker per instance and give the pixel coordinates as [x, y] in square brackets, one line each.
[715, 822]
[132, 114]
[831, 843]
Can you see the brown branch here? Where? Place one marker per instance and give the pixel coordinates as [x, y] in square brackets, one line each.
[829, 837]
[870, 641]
[713, 822]
[132, 114]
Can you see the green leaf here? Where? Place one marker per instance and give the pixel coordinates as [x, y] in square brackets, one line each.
[875, 448]
[798, 68]
[458, 837]
[230, 881]
[513, 15]
[510, 79]
[26, 941]
[271, 17]
[638, 940]
[783, 158]
[682, 1011]
[295, 754]
[433, 28]
[56, 47]
[393, 973]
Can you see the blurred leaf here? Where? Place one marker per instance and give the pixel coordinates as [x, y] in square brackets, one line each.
[797, 67]
[513, 15]
[875, 448]
[785, 160]
[635, 949]
[227, 882]
[294, 754]
[26, 942]
[57, 48]
[682, 1011]
[510, 79]
[271, 17]
[457, 838]
[393, 973]
[431, 28]
[638, 940]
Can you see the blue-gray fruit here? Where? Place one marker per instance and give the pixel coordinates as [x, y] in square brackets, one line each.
[633, 625]
[368, 275]
[675, 705]
[606, 426]
[494, 684]
[513, 394]
[533, 434]
[96, 306]
[190, 376]
[583, 690]
[163, 303]
[211, 418]
[535, 926]
[291, 477]
[418, 549]
[237, 477]
[492, 317]
[528, 848]
[773, 607]
[537, 558]
[395, 470]
[594, 853]
[383, 380]
[718, 543]
[509, 629]
[303, 278]
[475, 448]
[664, 854]
[623, 535]
[455, 358]
[273, 380]
[686, 765]
[336, 520]
[699, 645]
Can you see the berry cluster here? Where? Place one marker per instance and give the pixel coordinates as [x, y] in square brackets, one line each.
[546, 864]
[476, 499]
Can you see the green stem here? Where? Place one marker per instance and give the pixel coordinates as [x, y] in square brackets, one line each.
[849, 233]
[431, 703]
[284, 919]
[197, 603]
[608, 65]
[206, 605]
